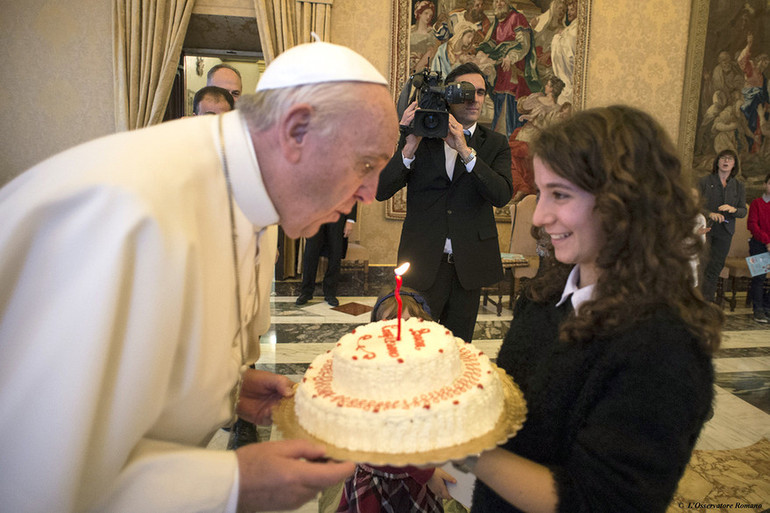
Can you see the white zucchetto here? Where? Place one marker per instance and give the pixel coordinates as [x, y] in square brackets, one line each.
[315, 63]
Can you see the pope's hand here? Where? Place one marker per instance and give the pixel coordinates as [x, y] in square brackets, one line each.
[260, 392]
[283, 476]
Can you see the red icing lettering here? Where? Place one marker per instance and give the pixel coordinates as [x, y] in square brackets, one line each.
[418, 340]
[368, 355]
[468, 379]
[390, 341]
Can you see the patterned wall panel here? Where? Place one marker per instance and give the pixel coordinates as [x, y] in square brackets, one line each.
[637, 56]
[57, 88]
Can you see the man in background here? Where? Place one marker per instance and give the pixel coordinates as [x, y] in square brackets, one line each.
[330, 237]
[212, 100]
[449, 235]
[128, 293]
[227, 77]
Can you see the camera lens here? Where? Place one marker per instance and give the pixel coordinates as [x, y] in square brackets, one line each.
[460, 93]
[430, 121]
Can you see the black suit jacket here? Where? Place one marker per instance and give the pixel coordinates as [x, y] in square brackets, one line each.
[460, 209]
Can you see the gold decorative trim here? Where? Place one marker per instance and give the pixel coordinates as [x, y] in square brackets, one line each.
[581, 55]
[696, 45]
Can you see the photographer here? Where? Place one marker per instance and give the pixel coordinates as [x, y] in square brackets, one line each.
[449, 234]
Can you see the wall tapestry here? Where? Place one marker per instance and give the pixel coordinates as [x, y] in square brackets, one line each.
[532, 53]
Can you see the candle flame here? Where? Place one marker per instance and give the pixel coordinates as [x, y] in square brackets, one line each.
[402, 269]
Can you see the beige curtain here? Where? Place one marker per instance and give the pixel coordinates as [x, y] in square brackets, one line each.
[283, 24]
[286, 23]
[147, 41]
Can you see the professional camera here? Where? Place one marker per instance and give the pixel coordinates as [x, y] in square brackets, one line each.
[431, 119]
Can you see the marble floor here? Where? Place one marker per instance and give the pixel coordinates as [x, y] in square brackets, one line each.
[732, 462]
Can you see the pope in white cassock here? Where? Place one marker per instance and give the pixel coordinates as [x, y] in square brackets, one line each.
[128, 290]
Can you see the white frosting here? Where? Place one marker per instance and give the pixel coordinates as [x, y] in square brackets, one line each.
[382, 405]
[412, 365]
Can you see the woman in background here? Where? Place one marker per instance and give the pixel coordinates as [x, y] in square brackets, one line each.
[724, 199]
[612, 345]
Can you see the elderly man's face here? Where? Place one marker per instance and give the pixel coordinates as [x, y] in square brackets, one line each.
[342, 167]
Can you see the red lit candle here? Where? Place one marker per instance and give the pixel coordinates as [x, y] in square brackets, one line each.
[399, 271]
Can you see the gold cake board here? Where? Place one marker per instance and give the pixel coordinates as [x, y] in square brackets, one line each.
[510, 422]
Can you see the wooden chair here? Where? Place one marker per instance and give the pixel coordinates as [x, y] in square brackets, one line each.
[357, 259]
[521, 243]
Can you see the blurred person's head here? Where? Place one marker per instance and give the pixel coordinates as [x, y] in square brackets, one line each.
[212, 100]
[412, 305]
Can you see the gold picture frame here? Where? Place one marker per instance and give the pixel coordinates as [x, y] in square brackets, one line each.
[395, 207]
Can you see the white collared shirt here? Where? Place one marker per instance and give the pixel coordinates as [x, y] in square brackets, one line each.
[450, 156]
[578, 296]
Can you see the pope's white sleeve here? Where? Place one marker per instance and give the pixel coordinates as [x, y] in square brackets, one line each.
[169, 478]
[98, 309]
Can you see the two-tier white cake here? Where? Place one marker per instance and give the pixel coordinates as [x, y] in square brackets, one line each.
[429, 390]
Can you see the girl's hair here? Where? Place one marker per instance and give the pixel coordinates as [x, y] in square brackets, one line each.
[386, 306]
[647, 215]
[736, 167]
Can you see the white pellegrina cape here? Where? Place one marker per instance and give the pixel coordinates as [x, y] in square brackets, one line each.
[119, 351]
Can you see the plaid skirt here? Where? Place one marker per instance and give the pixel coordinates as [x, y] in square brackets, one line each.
[376, 490]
